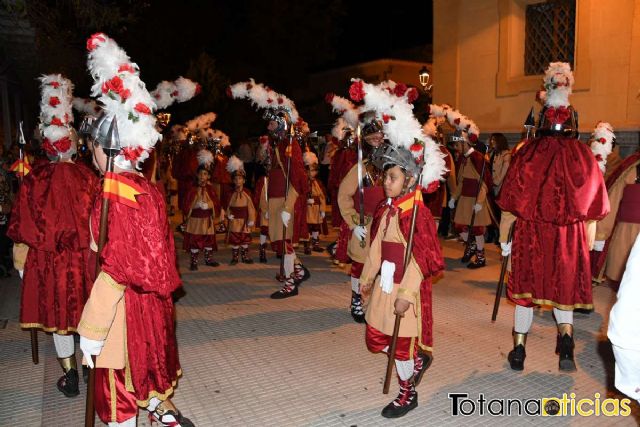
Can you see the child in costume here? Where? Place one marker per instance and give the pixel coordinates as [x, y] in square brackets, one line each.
[241, 213]
[316, 203]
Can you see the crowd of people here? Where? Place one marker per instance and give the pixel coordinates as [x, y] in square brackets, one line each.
[386, 182]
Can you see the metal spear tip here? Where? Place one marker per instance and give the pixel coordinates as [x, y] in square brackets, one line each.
[112, 141]
[21, 139]
[530, 121]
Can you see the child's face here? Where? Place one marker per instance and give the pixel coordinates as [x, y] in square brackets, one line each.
[238, 180]
[393, 182]
[203, 178]
[312, 172]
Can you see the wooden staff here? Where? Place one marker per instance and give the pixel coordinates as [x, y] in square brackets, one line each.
[475, 202]
[503, 271]
[111, 148]
[287, 178]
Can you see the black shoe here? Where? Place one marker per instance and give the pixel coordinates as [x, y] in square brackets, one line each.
[422, 363]
[286, 292]
[477, 263]
[516, 358]
[68, 383]
[193, 266]
[305, 274]
[357, 311]
[212, 263]
[169, 418]
[564, 349]
[263, 253]
[407, 400]
[469, 250]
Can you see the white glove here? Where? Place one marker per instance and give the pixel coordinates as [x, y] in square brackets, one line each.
[203, 205]
[506, 248]
[310, 201]
[386, 276]
[322, 214]
[90, 348]
[286, 217]
[21, 273]
[477, 207]
[230, 217]
[360, 231]
[250, 224]
[266, 215]
[452, 203]
[598, 245]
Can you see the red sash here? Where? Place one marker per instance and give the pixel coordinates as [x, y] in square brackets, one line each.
[629, 209]
[394, 252]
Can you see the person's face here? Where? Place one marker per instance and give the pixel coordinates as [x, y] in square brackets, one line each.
[99, 157]
[313, 172]
[492, 142]
[238, 180]
[203, 178]
[272, 126]
[374, 139]
[393, 182]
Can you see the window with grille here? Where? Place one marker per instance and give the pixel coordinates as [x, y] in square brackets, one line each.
[549, 34]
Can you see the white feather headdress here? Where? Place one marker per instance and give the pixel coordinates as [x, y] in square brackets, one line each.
[558, 82]
[345, 108]
[86, 106]
[456, 119]
[205, 157]
[234, 164]
[263, 97]
[400, 126]
[56, 115]
[181, 90]
[602, 143]
[123, 95]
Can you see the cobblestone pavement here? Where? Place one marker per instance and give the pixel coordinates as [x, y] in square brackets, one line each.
[252, 361]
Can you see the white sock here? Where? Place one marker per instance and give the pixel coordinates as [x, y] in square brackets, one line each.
[355, 284]
[522, 319]
[64, 344]
[235, 247]
[195, 251]
[480, 242]
[245, 246]
[314, 234]
[288, 264]
[263, 239]
[464, 235]
[404, 368]
[131, 422]
[563, 316]
[208, 249]
[153, 404]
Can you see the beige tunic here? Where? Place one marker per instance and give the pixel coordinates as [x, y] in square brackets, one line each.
[314, 209]
[464, 205]
[240, 199]
[624, 234]
[499, 170]
[380, 309]
[274, 207]
[263, 204]
[203, 226]
[348, 188]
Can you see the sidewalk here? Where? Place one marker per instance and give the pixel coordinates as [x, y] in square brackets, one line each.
[252, 361]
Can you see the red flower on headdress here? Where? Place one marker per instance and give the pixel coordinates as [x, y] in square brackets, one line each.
[142, 108]
[174, 93]
[602, 140]
[249, 86]
[53, 148]
[400, 90]
[457, 121]
[386, 118]
[356, 91]
[198, 89]
[412, 95]
[125, 94]
[126, 67]
[432, 187]
[113, 85]
[132, 154]
[599, 157]
[269, 100]
[416, 147]
[56, 122]
[473, 137]
[55, 84]
[329, 97]
[280, 100]
[53, 101]
[557, 115]
[94, 40]
[228, 92]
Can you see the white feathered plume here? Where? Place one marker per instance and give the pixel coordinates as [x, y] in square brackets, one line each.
[400, 126]
[56, 115]
[345, 108]
[263, 97]
[602, 143]
[558, 82]
[201, 122]
[205, 157]
[181, 90]
[86, 106]
[309, 158]
[122, 94]
[234, 164]
[456, 119]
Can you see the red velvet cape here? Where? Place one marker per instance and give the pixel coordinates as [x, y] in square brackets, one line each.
[140, 254]
[51, 216]
[341, 164]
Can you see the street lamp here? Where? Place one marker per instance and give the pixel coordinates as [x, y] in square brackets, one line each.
[425, 77]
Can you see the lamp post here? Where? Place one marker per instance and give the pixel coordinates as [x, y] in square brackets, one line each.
[425, 79]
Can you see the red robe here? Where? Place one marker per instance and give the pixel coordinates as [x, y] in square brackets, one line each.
[51, 216]
[341, 164]
[140, 254]
[184, 170]
[553, 184]
[436, 200]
